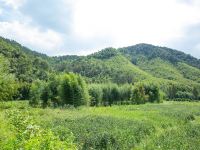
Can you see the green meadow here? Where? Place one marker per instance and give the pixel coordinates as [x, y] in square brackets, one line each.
[169, 125]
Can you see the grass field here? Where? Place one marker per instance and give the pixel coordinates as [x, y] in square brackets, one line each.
[166, 126]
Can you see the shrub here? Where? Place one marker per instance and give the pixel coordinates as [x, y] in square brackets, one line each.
[28, 135]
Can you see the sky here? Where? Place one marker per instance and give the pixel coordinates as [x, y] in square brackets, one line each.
[81, 27]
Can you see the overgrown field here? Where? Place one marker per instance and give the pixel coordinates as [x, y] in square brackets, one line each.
[166, 126]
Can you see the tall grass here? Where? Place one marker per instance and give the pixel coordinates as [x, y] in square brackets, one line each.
[170, 125]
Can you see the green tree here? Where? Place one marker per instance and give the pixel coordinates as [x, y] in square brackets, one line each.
[195, 93]
[46, 95]
[53, 87]
[153, 92]
[73, 90]
[8, 84]
[65, 90]
[172, 90]
[125, 92]
[96, 94]
[35, 93]
[138, 95]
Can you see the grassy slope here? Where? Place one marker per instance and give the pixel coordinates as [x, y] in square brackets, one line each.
[121, 65]
[117, 69]
[160, 69]
[165, 126]
[164, 64]
[164, 72]
[189, 72]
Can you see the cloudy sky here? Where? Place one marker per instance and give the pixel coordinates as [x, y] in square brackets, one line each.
[57, 27]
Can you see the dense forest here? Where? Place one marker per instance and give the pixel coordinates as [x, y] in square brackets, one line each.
[130, 75]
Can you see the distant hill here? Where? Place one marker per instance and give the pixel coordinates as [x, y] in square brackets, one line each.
[152, 52]
[27, 65]
[141, 62]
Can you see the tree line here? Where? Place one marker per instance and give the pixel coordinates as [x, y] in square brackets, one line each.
[71, 90]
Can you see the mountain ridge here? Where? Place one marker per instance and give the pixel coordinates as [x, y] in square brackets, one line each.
[142, 60]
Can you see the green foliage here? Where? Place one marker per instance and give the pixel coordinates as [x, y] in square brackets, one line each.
[35, 93]
[25, 64]
[107, 132]
[189, 72]
[96, 94]
[177, 91]
[115, 69]
[66, 89]
[125, 92]
[28, 135]
[73, 90]
[153, 92]
[170, 125]
[23, 91]
[108, 94]
[139, 96]
[185, 137]
[152, 52]
[195, 93]
[159, 68]
[105, 53]
[8, 84]
[148, 92]
[139, 63]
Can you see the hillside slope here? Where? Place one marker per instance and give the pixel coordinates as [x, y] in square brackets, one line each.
[27, 65]
[164, 63]
[123, 65]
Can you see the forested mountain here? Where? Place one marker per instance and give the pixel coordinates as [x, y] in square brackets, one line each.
[151, 52]
[131, 64]
[27, 65]
[138, 63]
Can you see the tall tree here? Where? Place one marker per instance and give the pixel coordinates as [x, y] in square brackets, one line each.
[8, 84]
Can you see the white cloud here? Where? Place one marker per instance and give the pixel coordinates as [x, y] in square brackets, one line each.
[129, 22]
[45, 41]
[94, 24]
[15, 4]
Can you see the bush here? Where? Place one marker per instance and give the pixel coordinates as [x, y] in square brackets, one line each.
[28, 135]
[97, 132]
